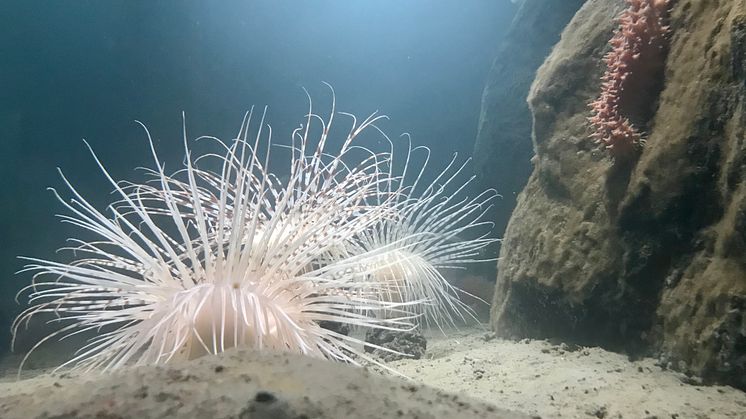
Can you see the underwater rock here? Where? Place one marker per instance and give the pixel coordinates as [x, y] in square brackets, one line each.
[503, 149]
[236, 384]
[411, 343]
[647, 257]
[341, 328]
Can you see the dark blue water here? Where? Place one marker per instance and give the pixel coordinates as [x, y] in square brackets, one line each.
[87, 69]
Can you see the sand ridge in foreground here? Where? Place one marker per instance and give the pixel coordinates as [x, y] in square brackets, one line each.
[237, 384]
[474, 372]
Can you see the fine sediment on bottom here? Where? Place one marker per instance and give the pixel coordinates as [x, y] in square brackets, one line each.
[236, 384]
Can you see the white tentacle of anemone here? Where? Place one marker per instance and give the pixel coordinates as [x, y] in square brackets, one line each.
[437, 228]
[199, 261]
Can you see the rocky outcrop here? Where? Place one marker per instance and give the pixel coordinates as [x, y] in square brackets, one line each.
[409, 344]
[648, 256]
[503, 149]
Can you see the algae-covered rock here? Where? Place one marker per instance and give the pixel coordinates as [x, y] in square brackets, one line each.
[647, 256]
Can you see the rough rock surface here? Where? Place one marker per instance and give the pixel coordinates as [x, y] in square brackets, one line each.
[503, 148]
[648, 257]
[237, 384]
[411, 343]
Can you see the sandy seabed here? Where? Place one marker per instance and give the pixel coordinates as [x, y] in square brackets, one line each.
[548, 380]
[467, 374]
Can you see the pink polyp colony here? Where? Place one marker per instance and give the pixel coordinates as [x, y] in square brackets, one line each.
[636, 56]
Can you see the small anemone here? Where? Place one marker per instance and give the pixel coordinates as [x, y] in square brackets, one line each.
[435, 228]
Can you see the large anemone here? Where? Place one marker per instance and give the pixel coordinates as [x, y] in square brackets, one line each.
[200, 261]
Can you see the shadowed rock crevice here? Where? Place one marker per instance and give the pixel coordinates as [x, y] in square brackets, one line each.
[503, 147]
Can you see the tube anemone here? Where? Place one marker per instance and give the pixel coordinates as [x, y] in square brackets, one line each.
[197, 261]
[437, 227]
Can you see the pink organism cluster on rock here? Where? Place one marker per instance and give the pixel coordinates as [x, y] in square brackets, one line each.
[632, 78]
